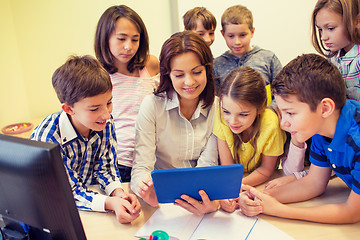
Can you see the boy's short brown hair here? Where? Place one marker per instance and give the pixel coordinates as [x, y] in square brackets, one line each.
[311, 78]
[80, 77]
[206, 17]
[237, 14]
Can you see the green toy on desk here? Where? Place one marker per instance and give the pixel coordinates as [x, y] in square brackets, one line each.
[158, 235]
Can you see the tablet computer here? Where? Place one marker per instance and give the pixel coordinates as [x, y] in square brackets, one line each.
[219, 182]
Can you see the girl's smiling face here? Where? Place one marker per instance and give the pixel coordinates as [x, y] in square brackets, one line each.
[239, 115]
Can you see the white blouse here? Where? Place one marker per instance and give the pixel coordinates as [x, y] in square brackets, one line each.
[166, 139]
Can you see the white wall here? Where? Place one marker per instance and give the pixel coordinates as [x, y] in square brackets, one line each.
[37, 36]
[13, 97]
[280, 26]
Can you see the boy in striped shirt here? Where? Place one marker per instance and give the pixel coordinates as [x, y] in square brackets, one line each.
[84, 131]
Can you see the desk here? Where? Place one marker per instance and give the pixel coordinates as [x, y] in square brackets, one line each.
[99, 225]
[104, 225]
[336, 192]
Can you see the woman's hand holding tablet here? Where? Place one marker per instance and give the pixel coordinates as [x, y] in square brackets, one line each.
[196, 189]
[198, 207]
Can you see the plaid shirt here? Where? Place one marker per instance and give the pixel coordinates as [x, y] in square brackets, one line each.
[87, 160]
[349, 66]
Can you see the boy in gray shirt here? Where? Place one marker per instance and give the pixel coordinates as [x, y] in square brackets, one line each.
[237, 30]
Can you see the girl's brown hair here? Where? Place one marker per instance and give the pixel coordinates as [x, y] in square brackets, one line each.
[349, 10]
[104, 29]
[245, 84]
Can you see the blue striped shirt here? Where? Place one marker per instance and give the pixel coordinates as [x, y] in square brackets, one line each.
[87, 160]
[342, 153]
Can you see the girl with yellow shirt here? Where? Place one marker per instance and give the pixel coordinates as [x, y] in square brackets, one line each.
[247, 132]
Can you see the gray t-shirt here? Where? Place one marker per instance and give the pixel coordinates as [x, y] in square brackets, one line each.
[261, 60]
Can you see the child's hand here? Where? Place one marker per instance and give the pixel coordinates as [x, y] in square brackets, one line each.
[280, 181]
[147, 192]
[249, 205]
[131, 198]
[123, 209]
[229, 205]
[194, 206]
[118, 192]
[268, 204]
[134, 202]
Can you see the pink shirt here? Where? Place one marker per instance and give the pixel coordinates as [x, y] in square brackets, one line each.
[293, 161]
[128, 93]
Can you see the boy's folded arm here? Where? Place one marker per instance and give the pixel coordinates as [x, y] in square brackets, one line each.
[339, 213]
[305, 188]
[353, 207]
[114, 188]
[85, 198]
[107, 174]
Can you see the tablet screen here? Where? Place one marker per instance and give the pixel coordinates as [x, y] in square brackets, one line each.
[219, 182]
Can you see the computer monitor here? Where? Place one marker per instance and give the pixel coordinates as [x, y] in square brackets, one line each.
[35, 190]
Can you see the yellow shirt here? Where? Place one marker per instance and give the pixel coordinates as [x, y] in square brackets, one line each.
[270, 140]
[268, 94]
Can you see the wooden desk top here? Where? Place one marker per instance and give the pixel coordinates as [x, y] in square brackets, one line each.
[100, 225]
[336, 192]
[104, 226]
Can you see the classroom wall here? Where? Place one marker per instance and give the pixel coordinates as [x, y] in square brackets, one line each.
[280, 26]
[13, 97]
[38, 35]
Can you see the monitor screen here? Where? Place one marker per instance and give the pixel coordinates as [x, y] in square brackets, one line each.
[34, 188]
